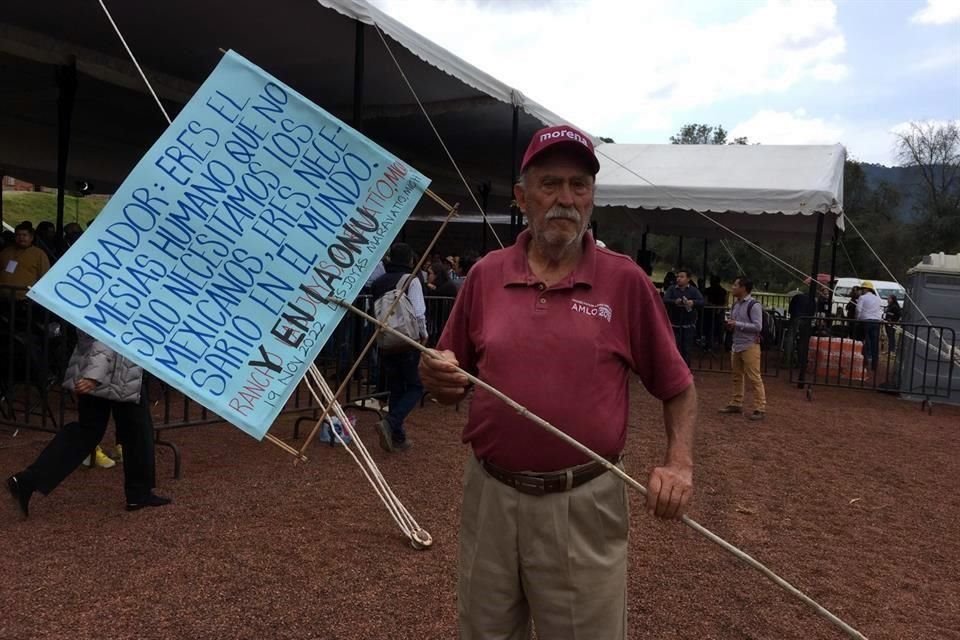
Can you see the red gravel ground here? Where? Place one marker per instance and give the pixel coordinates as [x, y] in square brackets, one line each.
[853, 498]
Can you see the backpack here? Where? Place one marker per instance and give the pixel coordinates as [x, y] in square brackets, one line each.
[768, 330]
[403, 318]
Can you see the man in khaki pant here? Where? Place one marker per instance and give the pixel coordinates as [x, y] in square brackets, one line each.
[561, 325]
[746, 323]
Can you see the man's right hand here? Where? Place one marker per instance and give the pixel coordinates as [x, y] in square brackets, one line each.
[441, 378]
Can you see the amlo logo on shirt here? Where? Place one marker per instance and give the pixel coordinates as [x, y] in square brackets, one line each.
[596, 310]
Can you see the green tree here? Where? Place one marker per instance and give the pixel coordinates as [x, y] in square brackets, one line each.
[704, 134]
[934, 150]
[700, 134]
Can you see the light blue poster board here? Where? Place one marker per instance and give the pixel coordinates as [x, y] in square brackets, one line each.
[210, 264]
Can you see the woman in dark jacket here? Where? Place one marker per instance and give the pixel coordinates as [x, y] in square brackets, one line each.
[105, 382]
[891, 317]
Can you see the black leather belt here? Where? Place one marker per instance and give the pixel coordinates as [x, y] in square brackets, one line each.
[538, 484]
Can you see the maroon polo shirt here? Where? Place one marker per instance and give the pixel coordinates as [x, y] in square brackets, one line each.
[564, 352]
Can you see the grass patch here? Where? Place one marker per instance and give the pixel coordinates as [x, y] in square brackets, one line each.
[37, 207]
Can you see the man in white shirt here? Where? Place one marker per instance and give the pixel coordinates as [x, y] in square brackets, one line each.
[870, 313]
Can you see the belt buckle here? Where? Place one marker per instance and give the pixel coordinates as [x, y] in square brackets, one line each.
[531, 485]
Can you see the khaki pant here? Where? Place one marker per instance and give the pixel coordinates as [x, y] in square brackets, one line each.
[747, 363]
[560, 559]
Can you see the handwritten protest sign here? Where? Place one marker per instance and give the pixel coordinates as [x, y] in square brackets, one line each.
[209, 265]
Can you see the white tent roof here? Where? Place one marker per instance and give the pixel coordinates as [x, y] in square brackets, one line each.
[430, 52]
[672, 185]
[309, 44]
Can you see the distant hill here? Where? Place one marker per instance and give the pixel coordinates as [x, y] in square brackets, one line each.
[906, 180]
[39, 206]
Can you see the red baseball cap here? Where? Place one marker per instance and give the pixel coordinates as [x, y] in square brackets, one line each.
[576, 140]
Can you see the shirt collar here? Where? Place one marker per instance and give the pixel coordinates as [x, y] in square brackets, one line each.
[516, 268]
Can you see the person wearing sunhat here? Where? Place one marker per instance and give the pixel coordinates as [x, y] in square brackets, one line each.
[870, 314]
[561, 326]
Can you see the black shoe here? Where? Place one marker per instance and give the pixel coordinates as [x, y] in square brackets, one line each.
[757, 415]
[20, 493]
[151, 500]
[401, 446]
[386, 436]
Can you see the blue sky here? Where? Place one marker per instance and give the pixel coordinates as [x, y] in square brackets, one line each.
[778, 72]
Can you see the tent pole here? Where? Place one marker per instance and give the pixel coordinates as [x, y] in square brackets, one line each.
[515, 215]
[812, 300]
[358, 69]
[706, 253]
[643, 258]
[67, 85]
[484, 191]
[833, 262]
[816, 259]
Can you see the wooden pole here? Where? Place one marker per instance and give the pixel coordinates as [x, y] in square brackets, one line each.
[451, 212]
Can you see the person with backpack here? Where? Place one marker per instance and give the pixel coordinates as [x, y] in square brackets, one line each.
[399, 360]
[746, 324]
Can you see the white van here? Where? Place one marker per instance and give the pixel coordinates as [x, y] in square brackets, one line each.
[884, 288]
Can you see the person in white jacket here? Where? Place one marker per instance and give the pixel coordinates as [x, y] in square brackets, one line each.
[105, 383]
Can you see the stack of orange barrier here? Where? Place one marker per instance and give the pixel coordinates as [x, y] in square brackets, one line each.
[835, 358]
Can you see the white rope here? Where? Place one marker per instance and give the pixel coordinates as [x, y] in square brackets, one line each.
[437, 133]
[418, 537]
[133, 58]
[523, 411]
[723, 243]
[849, 259]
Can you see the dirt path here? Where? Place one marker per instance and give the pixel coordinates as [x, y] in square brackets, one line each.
[853, 498]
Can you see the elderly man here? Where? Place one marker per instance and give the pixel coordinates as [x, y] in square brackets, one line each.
[22, 264]
[559, 325]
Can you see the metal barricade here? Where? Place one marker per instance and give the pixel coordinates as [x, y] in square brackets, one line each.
[34, 347]
[913, 359]
[708, 343]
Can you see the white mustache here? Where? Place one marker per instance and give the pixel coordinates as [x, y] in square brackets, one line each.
[563, 213]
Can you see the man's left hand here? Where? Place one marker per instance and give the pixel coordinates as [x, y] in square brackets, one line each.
[669, 490]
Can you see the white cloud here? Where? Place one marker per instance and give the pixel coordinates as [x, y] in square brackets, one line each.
[786, 127]
[625, 68]
[866, 141]
[938, 12]
[942, 59]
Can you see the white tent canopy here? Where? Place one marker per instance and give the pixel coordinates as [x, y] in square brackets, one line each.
[309, 44]
[762, 191]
